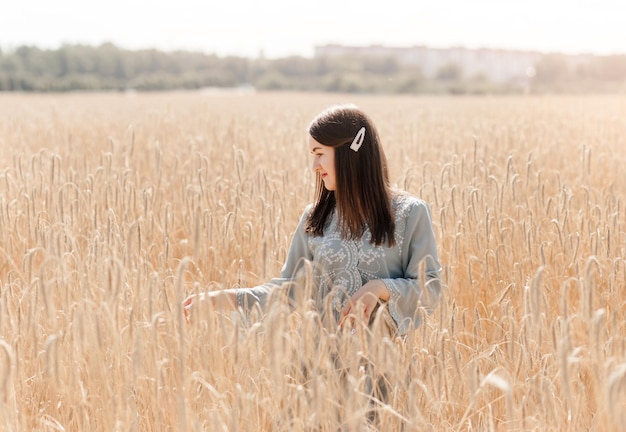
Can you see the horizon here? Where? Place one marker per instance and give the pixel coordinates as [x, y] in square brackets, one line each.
[312, 55]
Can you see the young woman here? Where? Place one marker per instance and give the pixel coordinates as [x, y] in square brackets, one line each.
[361, 243]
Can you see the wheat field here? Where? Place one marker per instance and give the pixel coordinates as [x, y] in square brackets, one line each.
[114, 207]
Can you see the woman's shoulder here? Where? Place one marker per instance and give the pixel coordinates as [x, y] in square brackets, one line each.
[403, 202]
[306, 212]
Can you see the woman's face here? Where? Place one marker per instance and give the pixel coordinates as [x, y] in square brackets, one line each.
[324, 163]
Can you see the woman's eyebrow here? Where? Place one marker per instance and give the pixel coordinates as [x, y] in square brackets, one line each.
[315, 149]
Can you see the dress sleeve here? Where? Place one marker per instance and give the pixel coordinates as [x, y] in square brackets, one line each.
[299, 253]
[420, 285]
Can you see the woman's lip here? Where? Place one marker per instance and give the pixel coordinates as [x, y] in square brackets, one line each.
[324, 175]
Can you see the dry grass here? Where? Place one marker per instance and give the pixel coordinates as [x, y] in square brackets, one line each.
[113, 208]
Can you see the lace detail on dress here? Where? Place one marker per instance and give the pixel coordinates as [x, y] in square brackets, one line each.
[344, 266]
[240, 296]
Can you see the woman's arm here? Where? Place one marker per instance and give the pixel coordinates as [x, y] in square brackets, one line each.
[246, 298]
[418, 288]
[364, 301]
[223, 300]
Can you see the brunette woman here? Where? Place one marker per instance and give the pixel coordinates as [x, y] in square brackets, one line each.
[367, 248]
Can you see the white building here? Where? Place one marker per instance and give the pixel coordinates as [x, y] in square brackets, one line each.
[494, 64]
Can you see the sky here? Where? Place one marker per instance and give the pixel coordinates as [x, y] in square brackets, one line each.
[280, 28]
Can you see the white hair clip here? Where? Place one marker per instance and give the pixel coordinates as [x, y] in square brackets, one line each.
[357, 142]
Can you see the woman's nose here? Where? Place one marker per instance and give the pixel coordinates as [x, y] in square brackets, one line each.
[316, 165]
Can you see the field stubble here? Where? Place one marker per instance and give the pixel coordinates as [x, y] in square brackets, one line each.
[113, 208]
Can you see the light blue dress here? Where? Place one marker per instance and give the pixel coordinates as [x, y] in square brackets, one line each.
[338, 268]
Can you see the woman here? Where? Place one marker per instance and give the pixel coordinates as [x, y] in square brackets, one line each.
[362, 243]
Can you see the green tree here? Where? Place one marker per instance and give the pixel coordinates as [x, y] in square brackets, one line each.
[449, 72]
[551, 68]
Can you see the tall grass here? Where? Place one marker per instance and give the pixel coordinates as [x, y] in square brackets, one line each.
[113, 208]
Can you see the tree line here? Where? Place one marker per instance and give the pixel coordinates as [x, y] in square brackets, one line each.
[110, 68]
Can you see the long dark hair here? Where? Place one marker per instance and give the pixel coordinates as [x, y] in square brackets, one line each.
[362, 193]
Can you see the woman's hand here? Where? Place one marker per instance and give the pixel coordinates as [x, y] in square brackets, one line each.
[363, 302]
[221, 300]
[188, 303]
